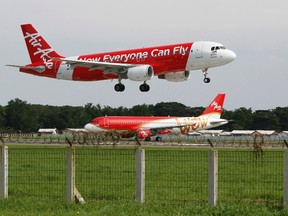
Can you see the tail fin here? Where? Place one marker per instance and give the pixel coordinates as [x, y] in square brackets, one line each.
[214, 110]
[38, 48]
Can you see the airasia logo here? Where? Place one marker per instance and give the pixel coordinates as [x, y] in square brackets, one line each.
[216, 106]
[35, 42]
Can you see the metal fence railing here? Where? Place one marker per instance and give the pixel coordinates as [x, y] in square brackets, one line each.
[279, 140]
[172, 176]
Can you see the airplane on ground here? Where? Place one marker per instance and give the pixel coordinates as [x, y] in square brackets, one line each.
[170, 62]
[143, 127]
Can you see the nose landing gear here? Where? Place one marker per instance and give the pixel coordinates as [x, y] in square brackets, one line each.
[206, 79]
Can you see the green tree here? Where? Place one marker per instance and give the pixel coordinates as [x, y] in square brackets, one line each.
[20, 116]
[2, 118]
[170, 109]
[142, 110]
[282, 115]
[265, 120]
[242, 119]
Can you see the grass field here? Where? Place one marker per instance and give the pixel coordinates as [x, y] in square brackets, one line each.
[176, 182]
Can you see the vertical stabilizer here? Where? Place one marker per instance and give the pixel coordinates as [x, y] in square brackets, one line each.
[215, 108]
[39, 50]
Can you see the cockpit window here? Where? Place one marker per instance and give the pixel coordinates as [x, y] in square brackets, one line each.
[217, 48]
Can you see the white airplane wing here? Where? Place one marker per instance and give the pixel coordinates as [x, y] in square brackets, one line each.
[107, 67]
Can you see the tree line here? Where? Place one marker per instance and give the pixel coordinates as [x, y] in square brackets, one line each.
[21, 116]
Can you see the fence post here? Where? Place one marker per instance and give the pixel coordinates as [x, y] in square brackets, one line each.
[140, 175]
[4, 172]
[213, 177]
[285, 198]
[70, 175]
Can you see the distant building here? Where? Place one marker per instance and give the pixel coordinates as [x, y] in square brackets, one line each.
[52, 131]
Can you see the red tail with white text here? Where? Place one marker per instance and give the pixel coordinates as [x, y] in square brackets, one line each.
[215, 108]
[39, 50]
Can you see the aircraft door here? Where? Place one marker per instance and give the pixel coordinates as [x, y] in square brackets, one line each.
[106, 122]
[198, 50]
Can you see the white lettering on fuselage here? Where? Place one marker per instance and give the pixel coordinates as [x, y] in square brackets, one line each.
[125, 57]
[36, 42]
[191, 124]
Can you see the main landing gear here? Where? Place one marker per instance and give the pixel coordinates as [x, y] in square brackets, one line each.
[206, 79]
[144, 87]
[119, 87]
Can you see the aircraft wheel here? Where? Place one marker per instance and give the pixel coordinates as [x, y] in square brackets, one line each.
[119, 87]
[206, 80]
[158, 139]
[144, 87]
[147, 139]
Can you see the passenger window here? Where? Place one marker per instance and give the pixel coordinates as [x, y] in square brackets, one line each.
[217, 48]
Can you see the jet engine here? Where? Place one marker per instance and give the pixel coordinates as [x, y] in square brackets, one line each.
[176, 76]
[142, 134]
[140, 73]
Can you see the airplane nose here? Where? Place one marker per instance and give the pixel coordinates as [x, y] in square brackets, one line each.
[231, 56]
[93, 128]
[89, 127]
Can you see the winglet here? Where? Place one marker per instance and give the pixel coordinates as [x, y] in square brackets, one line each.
[216, 107]
[38, 48]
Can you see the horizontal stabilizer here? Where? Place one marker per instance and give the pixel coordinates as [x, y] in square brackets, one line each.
[217, 121]
[38, 69]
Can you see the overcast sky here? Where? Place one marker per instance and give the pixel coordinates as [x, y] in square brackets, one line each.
[257, 31]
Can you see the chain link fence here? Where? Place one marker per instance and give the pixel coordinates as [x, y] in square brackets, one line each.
[172, 176]
[279, 140]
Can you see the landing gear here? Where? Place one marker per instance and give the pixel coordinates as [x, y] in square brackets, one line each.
[144, 87]
[119, 87]
[147, 139]
[206, 79]
[158, 139]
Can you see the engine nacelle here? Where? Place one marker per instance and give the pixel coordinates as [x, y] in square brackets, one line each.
[176, 76]
[142, 134]
[140, 73]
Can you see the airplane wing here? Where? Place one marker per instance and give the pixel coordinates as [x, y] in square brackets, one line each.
[107, 67]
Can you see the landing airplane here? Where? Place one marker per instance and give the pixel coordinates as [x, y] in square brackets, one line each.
[144, 127]
[170, 62]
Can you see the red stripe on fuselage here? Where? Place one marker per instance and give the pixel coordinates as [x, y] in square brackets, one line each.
[170, 58]
[124, 122]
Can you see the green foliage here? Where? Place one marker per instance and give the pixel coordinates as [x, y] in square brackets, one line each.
[19, 115]
[266, 120]
[170, 109]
